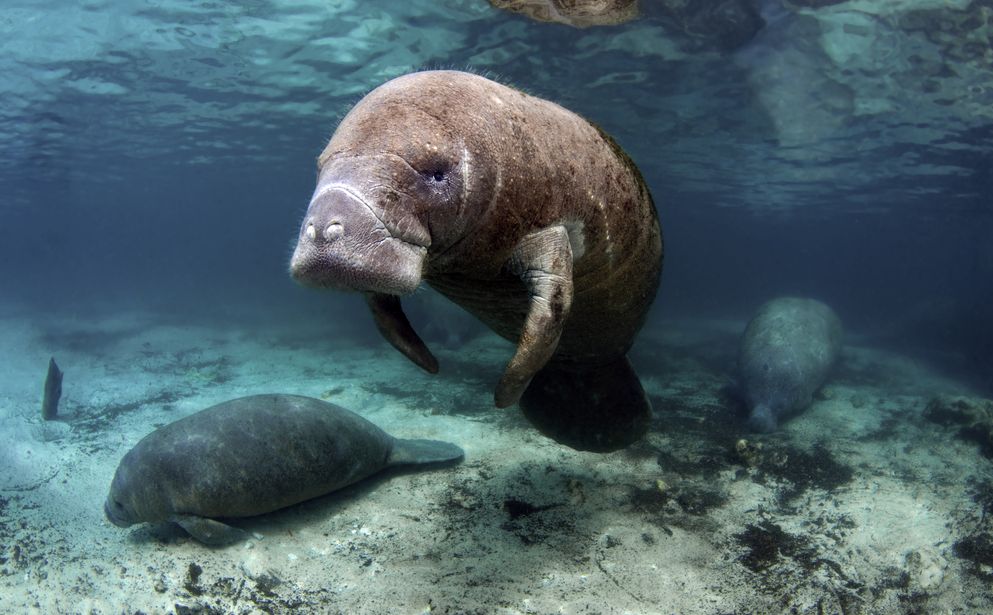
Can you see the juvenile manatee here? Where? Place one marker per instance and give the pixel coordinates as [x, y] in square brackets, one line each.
[251, 456]
[786, 352]
[525, 214]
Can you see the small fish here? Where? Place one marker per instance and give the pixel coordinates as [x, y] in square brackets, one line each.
[53, 391]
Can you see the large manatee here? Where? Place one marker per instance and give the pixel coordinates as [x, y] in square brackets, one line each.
[786, 353]
[250, 456]
[522, 212]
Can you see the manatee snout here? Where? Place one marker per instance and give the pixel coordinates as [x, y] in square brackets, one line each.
[116, 513]
[345, 244]
[337, 221]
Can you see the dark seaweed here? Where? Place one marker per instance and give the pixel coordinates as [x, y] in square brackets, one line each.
[816, 469]
[192, 583]
[767, 544]
[519, 508]
[105, 416]
[700, 501]
[977, 549]
[652, 501]
[982, 494]
[199, 609]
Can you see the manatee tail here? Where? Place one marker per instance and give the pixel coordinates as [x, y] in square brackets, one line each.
[410, 452]
[762, 419]
[598, 409]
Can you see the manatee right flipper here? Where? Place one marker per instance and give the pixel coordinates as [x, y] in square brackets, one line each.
[599, 409]
[543, 261]
[209, 531]
[394, 326]
[417, 452]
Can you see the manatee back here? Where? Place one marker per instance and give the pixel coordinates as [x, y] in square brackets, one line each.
[786, 352]
[534, 164]
[249, 456]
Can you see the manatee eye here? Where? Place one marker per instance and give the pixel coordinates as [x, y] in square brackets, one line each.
[438, 176]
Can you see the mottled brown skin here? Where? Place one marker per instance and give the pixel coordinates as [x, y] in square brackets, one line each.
[515, 208]
[576, 13]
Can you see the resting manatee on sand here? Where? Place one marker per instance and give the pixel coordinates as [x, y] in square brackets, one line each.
[786, 353]
[251, 456]
[522, 212]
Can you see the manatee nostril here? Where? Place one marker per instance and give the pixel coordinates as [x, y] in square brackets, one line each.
[334, 231]
[311, 232]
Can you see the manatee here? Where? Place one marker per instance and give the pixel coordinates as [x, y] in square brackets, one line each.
[786, 353]
[250, 456]
[525, 214]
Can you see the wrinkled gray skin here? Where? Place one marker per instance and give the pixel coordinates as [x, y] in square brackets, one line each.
[251, 456]
[522, 212]
[786, 353]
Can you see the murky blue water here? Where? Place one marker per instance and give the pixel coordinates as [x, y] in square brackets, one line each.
[163, 152]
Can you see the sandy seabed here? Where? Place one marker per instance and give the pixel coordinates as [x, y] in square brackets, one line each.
[860, 505]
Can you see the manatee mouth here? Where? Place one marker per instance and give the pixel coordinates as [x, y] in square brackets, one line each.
[113, 511]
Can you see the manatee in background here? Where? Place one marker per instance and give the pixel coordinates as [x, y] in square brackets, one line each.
[786, 352]
[522, 212]
[251, 456]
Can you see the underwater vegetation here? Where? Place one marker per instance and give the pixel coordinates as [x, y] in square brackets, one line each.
[973, 416]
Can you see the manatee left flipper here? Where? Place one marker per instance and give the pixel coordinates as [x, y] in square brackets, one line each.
[209, 531]
[543, 261]
[394, 326]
